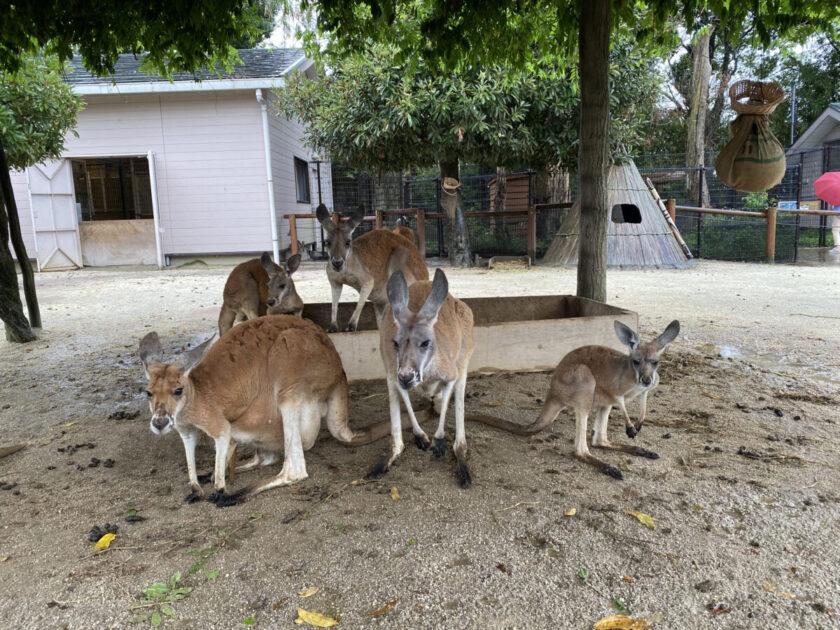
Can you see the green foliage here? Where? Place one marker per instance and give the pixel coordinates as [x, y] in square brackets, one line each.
[374, 113]
[158, 601]
[37, 110]
[757, 201]
[264, 23]
[179, 35]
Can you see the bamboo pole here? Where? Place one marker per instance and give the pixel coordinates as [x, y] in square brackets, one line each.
[668, 219]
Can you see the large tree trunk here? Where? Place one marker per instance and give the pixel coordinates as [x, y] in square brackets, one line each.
[7, 196]
[594, 51]
[695, 147]
[457, 236]
[11, 309]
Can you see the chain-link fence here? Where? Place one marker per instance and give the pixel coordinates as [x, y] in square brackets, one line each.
[492, 233]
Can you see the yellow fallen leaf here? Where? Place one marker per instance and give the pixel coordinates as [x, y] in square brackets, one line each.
[4, 558]
[384, 609]
[104, 542]
[628, 579]
[644, 519]
[358, 482]
[570, 512]
[492, 404]
[708, 395]
[315, 619]
[309, 591]
[394, 493]
[772, 588]
[69, 424]
[621, 622]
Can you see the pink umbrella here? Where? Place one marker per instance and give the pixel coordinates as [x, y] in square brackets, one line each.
[827, 187]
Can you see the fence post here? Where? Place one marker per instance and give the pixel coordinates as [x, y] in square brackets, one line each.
[770, 244]
[532, 234]
[421, 231]
[379, 219]
[671, 207]
[293, 232]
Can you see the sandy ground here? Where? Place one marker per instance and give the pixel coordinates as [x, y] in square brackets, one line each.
[744, 537]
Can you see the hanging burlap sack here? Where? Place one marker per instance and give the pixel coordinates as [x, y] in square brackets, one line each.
[753, 161]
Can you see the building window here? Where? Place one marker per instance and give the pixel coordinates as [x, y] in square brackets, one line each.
[302, 180]
[626, 213]
[109, 189]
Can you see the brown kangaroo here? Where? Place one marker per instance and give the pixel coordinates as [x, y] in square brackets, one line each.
[268, 382]
[366, 263]
[258, 287]
[597, 377]
[426, 340]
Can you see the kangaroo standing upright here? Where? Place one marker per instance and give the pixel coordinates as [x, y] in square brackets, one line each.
[258, 287]
[426, 340]
[597, 377]
[366, 263]
[267, 382]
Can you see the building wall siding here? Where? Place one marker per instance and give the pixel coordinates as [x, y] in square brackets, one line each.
[21, 192]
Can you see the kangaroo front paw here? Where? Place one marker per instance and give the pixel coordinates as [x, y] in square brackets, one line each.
[643, 452]
[631, 431]
[222, 498]
[333, 328]
[439, 448]
[422, 442]
[192, 497]
[350, 328]
[613, 472]
[379, 469]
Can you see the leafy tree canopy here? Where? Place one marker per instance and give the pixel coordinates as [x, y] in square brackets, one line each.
[178, 35]
[372, 112]
[37, 109]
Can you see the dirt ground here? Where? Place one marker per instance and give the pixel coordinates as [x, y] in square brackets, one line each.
[744, 497]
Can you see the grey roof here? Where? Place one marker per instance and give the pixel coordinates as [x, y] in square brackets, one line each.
[258, 63]
[835, 106]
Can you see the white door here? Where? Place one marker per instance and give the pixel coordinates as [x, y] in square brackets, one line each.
[54, 215]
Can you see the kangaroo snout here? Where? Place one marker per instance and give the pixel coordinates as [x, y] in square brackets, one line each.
[646, 380]
[161, 424]
[337, 264]
[408, 378]
[270, 302]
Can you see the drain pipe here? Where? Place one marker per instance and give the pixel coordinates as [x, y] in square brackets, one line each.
[272, 210]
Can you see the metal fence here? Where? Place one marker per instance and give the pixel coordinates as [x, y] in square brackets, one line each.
[708, 236]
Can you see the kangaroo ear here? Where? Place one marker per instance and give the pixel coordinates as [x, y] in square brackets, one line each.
[440, 289]
[150, 351]
[398, 295]
[292, 264]
[268, 264]
[191, 358]
[669, 335]
[322, 214]
[356, 217]
[626, 335]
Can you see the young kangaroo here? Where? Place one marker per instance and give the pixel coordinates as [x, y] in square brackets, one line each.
[258, 287]
[366, 263]
[597, 377]
[268, 382]
[426, 340]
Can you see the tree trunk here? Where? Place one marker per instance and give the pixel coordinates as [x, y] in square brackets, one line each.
[7, 196]
[695, 147]
[457, 236]
[499, 203]
[11, 309]
[594, 51]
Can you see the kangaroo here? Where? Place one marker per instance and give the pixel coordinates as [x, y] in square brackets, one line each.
[267, 382]
[597, 377]
[426, 340]
[405, 231]
[365, 263]
[258, 287]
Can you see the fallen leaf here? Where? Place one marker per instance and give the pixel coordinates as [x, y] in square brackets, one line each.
[357, 482]
[629, 579]
[492, 404]
[620, 622]
[315, 619]
[772, 588]
[570, 512]
[309, 591]
[8, 450]
[394, 493]
[504, 569]
[384, 609]
[644, 519]
[708, 395]
[721, 609]
[4, 558]
[104, 542]
[248, 621]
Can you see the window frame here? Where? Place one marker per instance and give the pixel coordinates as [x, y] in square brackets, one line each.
[300, 163]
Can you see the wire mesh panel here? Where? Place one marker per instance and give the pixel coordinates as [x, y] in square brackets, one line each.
[736, 238]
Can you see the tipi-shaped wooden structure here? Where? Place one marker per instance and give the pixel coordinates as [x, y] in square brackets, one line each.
[638, 235]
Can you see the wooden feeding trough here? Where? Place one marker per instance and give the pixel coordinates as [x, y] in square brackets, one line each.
[512, 334]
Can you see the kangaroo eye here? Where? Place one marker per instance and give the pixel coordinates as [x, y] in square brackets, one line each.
[636, 362]
[396, 343]
[147, 393]
[347, 244]
[425, 344]
[654, 363]
[178, 391]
